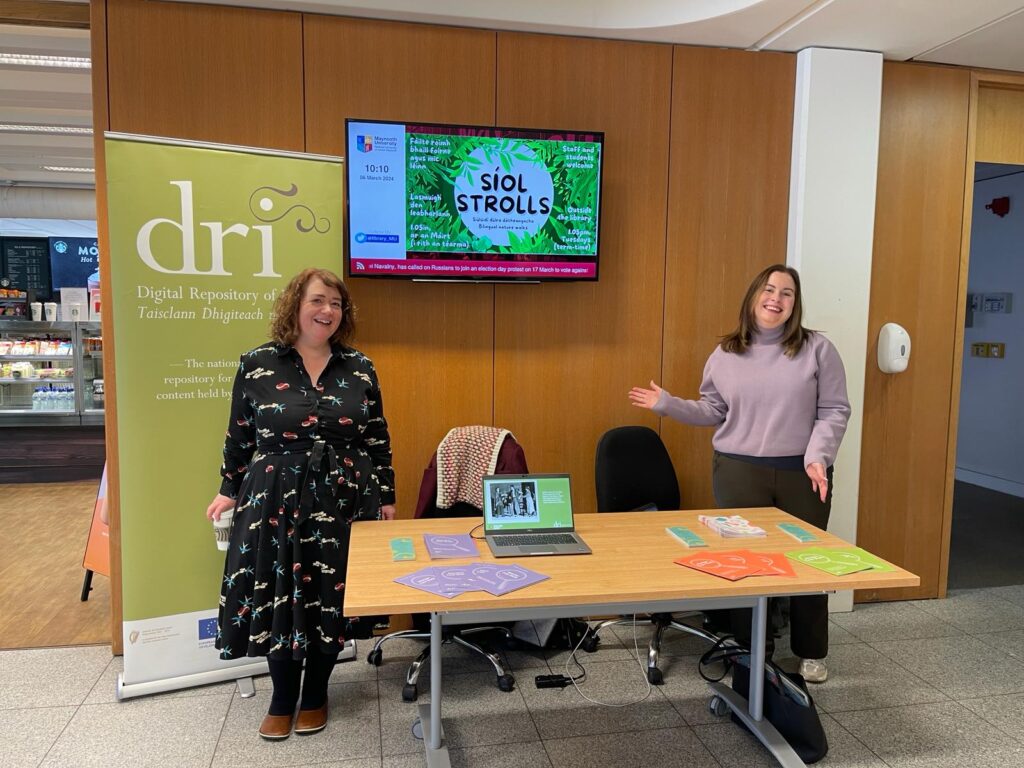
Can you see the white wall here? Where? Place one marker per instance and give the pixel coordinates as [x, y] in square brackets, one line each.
[990, 442]
[831, 229]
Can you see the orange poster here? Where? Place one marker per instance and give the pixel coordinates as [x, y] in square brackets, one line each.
[97, 548]
[734, 565]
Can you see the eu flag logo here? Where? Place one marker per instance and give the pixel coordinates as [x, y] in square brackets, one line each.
[207, 629]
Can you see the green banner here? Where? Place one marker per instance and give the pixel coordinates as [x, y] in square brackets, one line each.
[202, 239]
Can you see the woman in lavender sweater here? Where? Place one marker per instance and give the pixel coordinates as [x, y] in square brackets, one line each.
[776, 392]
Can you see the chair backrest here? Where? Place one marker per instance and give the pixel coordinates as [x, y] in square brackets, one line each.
[511, 461]
[634, 471]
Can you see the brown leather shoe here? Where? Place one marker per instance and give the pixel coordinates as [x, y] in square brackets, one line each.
[276, 727]
[311, 720]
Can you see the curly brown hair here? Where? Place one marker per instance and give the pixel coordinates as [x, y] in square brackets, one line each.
[793, 335]
[284, 325]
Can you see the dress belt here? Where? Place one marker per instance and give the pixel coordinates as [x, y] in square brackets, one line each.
[320, 453]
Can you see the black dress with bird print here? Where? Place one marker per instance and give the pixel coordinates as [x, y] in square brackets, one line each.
[302, 461]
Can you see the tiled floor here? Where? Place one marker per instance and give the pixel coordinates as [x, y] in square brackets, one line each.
[936, 684]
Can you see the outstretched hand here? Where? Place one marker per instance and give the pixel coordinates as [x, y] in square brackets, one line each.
[645, 398]
[819, 480]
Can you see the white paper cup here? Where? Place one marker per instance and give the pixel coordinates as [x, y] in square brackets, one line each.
[222, 530]
[36, 308]
[74, 312]
[50, 311]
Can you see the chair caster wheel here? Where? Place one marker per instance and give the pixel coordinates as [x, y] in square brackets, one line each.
[506, 683]
[718, 707]
[654, 676]
[417, 729]
[590, 643]
[410, 692]
[375, 657]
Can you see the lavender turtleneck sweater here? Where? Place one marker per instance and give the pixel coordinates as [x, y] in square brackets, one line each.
[766, 404]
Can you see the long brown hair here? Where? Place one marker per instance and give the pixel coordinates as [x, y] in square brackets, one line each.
[284, 326]
[793, 334]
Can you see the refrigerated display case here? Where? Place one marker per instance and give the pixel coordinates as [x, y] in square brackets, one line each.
[51, 373]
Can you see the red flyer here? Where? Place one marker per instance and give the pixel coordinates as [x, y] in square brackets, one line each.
[733, 565]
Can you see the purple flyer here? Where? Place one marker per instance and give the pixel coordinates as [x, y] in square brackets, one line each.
[450, 545]
[449, 581]
[502, 579]
[427, 580]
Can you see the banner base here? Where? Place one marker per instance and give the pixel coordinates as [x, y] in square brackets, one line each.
[131, 690]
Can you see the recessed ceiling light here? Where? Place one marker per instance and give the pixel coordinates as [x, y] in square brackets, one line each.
[69, 130]
[38, 60]
[68, 169]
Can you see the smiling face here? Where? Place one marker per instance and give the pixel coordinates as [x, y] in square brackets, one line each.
[773, 306]
[320, 313]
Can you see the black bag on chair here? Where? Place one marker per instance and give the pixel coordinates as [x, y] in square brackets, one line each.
[797, 722]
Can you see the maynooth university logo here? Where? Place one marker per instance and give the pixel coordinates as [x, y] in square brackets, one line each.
[60, 246]
[364, 143]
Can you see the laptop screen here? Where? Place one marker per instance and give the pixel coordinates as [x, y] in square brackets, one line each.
[527, 502]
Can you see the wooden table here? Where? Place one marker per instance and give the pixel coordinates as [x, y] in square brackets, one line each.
[631, 570]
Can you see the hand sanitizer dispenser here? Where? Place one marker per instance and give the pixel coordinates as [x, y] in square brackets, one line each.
[893, 348]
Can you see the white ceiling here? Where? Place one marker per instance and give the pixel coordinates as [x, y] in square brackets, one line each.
[979, 33]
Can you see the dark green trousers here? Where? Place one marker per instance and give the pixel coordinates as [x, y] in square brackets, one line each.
[742, 484]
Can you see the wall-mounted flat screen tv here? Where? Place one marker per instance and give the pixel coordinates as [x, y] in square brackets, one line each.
[472, 202]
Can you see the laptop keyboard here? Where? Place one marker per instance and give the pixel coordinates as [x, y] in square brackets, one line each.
[530, 540]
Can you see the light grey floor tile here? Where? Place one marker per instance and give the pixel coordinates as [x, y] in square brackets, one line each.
[360, 762]
[661, 748]
[961, 667]
[474, 713]
[837, 634]
[942, 735]
[27, 734]
[352, 732]
[735, 747]
[50, 677]
[563, 713]
[178, 732]
[105, 690]
[1014, 594]
[1004, 712]
[875, 622]
[862, 678]
[687, 690]
[531, 755]
[1011, 643]
[975, 610]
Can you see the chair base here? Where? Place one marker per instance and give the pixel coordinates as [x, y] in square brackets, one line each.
[660, 622]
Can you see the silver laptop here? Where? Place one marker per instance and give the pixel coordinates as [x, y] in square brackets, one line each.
[530, 515]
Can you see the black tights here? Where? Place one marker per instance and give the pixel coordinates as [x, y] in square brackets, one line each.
[286, 675]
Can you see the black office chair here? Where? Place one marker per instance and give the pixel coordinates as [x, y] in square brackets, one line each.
[511, 460]
[633, 472]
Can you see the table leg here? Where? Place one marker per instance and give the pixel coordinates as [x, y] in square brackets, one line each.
[758, 646]
[435, 682]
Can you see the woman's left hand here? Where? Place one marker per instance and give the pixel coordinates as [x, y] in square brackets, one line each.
[819, 480]
[387, 512]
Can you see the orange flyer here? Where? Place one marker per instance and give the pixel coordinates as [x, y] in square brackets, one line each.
[733, 565]
[772, 563]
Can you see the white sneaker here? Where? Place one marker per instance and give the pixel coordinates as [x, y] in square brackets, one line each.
[813, 670]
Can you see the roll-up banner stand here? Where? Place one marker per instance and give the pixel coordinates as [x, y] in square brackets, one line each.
[202, 237]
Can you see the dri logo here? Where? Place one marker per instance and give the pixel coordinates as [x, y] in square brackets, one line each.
[364, 143]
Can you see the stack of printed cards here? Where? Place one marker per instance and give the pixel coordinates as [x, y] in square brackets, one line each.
[732, 526]
[448, 546]
[840, 561]
[451, 581]
[737, 564]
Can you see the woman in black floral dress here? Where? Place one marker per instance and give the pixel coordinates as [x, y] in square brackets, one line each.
[307, 451]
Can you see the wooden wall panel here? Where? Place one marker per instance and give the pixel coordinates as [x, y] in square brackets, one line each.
[207, 73]
[566, 355]
[915, 272]
[432, 343]
[1000, 137]
[732, 125]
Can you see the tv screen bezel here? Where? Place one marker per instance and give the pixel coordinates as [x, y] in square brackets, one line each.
[470, 279]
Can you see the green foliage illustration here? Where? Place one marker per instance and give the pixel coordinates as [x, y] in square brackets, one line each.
[562, 225]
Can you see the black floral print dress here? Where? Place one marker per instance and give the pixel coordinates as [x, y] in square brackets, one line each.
[302, 462]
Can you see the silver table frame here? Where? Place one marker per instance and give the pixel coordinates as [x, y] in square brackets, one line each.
[750, 711]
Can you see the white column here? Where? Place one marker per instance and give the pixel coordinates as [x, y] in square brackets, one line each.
[831, 227]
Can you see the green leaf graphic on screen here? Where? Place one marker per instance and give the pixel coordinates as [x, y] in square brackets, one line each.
[507, 196]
